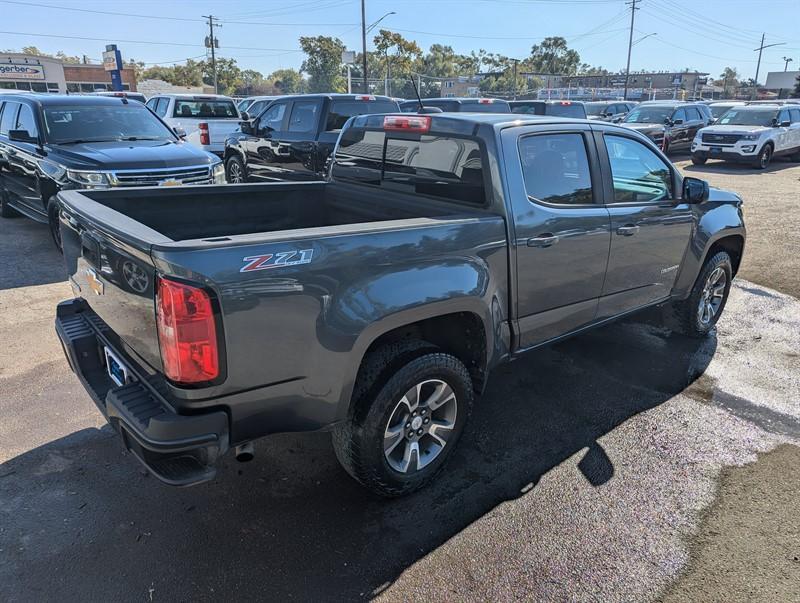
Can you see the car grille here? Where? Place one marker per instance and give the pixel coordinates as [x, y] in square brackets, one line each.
[187, 175]
[721, 138]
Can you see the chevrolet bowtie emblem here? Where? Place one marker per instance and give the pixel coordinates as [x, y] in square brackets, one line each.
[95, 284]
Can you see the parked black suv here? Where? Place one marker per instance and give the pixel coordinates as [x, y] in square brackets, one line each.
[672, 125]
[555, 108]
[458, 105]
[294, 136]
[54, 142]
[613, 111]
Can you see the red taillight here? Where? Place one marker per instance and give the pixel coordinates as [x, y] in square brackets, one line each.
[485, 101]
[365, 97]
[407, 123]
[205, 138]
[565, 103]
[187, 333]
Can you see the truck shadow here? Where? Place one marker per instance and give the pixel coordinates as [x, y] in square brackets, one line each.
[724, 167]
[83, 522]
[27, 255]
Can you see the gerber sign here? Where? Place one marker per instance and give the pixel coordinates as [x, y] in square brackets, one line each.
[21, 71]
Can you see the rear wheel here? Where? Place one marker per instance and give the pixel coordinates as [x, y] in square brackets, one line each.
[696, 315]
[407, 423]
[54, 223]
[234, 170]
[764, 157]
[699, 159]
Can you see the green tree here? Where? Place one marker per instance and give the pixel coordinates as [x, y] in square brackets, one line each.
[229, 76]
[554, 56]
[797, 88]
[398, 58]
[323, 63]
[288, 81]
[189, 74]
[729, 78]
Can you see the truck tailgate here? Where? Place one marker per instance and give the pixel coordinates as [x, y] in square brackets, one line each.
[107, 256]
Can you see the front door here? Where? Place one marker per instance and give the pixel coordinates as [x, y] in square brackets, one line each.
[562, 230]
[650, 226]
[22, 158]
[299, 140]
[264, 155]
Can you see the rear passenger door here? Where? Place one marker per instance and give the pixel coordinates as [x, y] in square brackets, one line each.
[784, 134]
[562, 229]
[650, 226]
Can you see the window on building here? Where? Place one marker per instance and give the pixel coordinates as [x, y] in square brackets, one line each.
[52, 87]
[7, 85]
[38, 86]
[23, 85]
[73, 87]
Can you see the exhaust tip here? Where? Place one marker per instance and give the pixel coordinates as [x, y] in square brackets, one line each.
[245, 453]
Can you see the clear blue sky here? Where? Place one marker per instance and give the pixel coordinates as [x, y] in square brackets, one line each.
[262, 34]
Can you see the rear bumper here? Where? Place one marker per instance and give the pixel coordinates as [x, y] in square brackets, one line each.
[179, 450]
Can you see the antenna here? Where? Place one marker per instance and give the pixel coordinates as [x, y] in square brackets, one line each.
[416, 92]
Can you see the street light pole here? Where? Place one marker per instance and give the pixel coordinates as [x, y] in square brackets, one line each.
[786, 65]
[364, 44]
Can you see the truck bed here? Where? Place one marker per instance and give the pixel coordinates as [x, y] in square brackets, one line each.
[215, 211]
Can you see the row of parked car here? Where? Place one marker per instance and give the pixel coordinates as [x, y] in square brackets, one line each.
[50, 143]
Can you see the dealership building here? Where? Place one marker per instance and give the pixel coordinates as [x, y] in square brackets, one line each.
[48, 74]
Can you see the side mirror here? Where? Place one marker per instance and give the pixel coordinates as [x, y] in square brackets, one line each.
[695, 190]
[246, 127]
[179, 132]
[785, 124]
[677, 122]
[668, 122]
[22, 136]
[245, 116]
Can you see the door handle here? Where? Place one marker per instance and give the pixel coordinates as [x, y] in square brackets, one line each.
[545, 240]
[628, 230]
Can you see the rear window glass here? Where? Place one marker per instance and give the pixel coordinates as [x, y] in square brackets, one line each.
[528, 108]
[219, 109]
[342, 110]
[570, 110]
[495, 107]
[447, 167]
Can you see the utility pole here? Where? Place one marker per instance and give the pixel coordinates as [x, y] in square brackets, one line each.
[364, 43]
[211, 42]
[630, 45]
[515, 78]
[760, 49]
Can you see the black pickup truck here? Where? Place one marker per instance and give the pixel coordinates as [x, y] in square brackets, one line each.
[375, 303]
[293, 137]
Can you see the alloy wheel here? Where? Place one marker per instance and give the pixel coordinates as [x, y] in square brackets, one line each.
[420, 426]
[712, 296]
[235, 172]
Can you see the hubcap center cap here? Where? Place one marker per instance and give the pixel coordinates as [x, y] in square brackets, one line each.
[416, 423]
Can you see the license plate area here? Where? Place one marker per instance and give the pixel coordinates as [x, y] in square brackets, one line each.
[115, 368]
[716, 150]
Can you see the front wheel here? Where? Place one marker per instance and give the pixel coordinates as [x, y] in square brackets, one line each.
[764, 157]
[234, 170]
[696, 315]
[699, 159]
[401, 434]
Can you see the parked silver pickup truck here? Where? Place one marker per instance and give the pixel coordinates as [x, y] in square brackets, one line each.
[375, 304]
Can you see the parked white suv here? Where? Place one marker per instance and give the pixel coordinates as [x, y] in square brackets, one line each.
[752, 134]
[206, 119]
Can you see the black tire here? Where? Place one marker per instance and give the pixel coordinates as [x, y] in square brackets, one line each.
[686, 315]
[54, 223]
[764, 157]
[235, 172]
[383, 381]
[699, 160]
[6, 211]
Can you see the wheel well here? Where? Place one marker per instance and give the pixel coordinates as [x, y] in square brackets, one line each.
[460, 334]
[733, 246]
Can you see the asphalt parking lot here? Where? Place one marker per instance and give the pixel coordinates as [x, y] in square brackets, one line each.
[627, 464]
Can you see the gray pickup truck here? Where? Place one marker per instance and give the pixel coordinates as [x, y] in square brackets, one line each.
[375, 304]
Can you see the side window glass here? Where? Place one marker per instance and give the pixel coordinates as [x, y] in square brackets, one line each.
[680, 114]
[9, 118]
[693, 113]
[163, 105]
[151, 104]
[272, 118]
[256, 108]
[638, 174]
[26, 121]
[556, 168]
[795, 113]
[304, 117]
[783, 116]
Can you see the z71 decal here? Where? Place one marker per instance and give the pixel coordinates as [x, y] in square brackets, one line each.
[276, 260]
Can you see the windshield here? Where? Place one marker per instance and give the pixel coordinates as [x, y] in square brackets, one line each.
[744, 117]
[565, 110]
[206, 108]
[648, 115]
[595, 108]
[95, 123]
[718, 110]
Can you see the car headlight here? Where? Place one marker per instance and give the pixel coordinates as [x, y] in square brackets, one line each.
[750, 136]
[218, 173]
[90, 179]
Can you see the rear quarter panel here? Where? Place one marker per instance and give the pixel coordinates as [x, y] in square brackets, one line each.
[301, 331]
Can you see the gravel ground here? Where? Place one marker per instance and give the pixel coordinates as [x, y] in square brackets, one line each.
[599, 479]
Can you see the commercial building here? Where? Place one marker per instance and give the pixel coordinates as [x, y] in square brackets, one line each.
[782, 82]
[48, 74]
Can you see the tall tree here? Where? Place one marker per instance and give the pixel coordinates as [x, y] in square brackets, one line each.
[323, 63]
[229, 76]
[729, 78]
[288, 81]
[554, 56]
[398, 56]
[797, 88]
